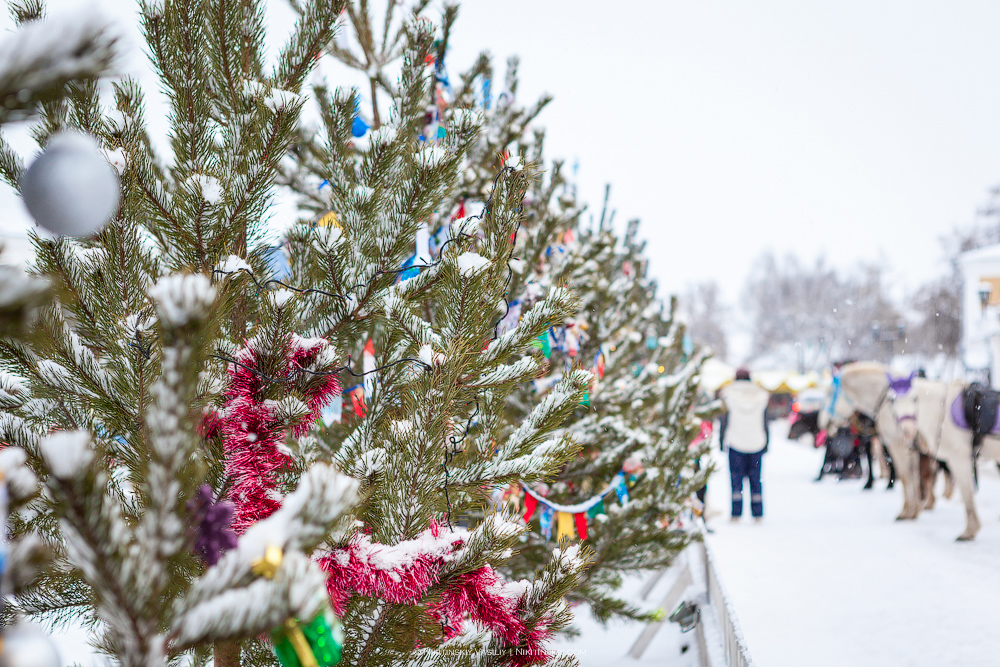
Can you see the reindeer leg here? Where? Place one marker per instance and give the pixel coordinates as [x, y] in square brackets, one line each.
[961, 470]
[907, 468]
[871, 473]
[891, 463]
[949, 480]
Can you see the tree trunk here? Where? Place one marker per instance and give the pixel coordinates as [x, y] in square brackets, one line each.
[227, 654]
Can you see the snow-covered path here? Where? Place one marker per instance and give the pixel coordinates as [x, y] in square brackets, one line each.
[830, 578]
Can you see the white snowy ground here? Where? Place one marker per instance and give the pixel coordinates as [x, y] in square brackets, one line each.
[830, 578]
[604, 646]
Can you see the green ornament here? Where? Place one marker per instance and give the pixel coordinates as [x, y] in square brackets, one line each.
[596, 509]
[586, 400]
[316, 644]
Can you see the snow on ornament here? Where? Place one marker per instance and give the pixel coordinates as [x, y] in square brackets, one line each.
[27, 645]
[70, 189]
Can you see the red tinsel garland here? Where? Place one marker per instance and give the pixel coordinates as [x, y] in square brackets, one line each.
[404, 573]
[252, 438]
[252, 433]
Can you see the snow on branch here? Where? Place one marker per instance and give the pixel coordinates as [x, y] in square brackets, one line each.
[182, 298]
[296, 591]
[40, 58]
[67, 453]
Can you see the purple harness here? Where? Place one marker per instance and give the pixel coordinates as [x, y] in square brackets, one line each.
[958, 415]
[901, 387]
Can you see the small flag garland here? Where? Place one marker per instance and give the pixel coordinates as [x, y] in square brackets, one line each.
[570, 520]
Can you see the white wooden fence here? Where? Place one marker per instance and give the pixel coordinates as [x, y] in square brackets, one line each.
[733, 643]
[696, 578]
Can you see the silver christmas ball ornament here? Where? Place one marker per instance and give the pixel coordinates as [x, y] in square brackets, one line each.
[70, 189]
[27, 645]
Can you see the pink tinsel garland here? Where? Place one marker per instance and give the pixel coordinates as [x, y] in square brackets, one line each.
[252, 434]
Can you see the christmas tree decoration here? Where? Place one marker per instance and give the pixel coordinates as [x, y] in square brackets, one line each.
[368, 369]
[27, 645]
[564, 526]
[70, 189]
[318, 643]
[329, 219]
[213, 520]
[267, 565]
[253, 430]
[530, 503]
[545, 521]
[359, 128]
[580, 519]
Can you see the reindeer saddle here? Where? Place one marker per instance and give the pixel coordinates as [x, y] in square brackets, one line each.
[977, 409]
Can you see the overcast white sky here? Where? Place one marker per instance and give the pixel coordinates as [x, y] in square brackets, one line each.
[863, 130]
[847, 126]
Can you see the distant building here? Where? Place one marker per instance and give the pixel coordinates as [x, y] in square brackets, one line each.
[981, 313]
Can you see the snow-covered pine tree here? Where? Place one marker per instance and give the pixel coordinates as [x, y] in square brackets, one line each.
[635, 427]
[106, 395]
[430, 437]
[646, 416]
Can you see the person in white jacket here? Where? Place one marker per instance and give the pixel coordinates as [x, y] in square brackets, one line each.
[743, 431]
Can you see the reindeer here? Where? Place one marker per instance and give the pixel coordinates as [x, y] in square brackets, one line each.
[864, 388]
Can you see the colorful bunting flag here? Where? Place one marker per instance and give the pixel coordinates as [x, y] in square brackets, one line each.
[422, 251]
[277, 262]
[410, 272]
[704, 433]
[530, 502]
[542, 343]
[368, 369]
[596, 509]
[545, 521]
[358, 401]
[581, 525]
[564, 526]
[618, 482]
[329, 219]
[511, 319]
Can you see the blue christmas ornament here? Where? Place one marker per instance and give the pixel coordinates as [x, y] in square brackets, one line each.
[442, 133]
[359, 128]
